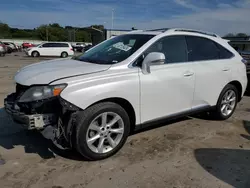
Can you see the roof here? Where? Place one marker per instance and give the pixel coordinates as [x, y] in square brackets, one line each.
[173, 30]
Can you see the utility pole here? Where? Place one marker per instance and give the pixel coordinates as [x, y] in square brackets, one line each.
[112, 27]
[47, 33]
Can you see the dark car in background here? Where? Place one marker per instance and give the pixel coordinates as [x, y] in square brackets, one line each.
[87, 47]
[78, 47]
[81, 47]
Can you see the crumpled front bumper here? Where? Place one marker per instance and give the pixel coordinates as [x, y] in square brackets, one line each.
[29, 121]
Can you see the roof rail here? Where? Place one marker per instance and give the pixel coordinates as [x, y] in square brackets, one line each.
[197, 31]
[134, 31]
[159, 29]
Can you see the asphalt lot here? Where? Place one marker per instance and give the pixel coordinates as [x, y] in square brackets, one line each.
[189, 152]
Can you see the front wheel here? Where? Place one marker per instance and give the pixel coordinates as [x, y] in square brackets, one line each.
[35, 54]
[227, 103]
[101, 130]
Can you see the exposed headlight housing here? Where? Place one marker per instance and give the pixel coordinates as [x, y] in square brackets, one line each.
[36, 93]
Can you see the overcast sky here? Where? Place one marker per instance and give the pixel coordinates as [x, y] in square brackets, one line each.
[220, 16]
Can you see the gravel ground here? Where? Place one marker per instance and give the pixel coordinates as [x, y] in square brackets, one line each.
[189, 152]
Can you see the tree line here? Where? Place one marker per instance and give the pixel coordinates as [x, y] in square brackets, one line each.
[51, 32]
[236, 35]
[55, 32]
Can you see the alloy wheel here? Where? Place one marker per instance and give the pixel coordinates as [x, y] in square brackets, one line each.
[228, 102]
[105, 132]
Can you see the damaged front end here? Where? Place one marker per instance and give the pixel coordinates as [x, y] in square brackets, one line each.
[50, 115]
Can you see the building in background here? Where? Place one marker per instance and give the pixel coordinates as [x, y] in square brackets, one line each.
[98, 35]
[242, 45]
[109, 33]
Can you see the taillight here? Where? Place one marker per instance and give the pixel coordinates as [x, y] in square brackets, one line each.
[71, 49]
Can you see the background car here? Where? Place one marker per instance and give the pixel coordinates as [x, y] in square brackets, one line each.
[28, 45]
[12, 46]
[86, 48]
[61, 49]
[3, 49]
[78, 47]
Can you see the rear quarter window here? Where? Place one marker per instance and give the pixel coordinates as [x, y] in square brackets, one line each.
[224, 53]
[63, 45]
[201, 49]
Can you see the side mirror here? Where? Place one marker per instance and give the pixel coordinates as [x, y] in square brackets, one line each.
[153, 58]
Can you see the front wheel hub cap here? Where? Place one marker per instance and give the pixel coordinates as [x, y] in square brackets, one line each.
[105, 132]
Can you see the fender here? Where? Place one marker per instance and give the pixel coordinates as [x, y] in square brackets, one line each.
[89, 89]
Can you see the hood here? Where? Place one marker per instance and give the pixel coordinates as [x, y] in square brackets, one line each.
[48, 71]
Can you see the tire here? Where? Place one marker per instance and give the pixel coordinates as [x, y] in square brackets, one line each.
[217, 113]
[9, 51]
[35, 54]
[64, 54]
[84, 121]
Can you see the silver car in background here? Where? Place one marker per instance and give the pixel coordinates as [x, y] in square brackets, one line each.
[2, 49]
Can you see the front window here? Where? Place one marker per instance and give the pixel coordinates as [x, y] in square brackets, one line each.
[115, 50]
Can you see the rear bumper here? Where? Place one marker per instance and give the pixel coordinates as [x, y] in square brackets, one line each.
[29, 121]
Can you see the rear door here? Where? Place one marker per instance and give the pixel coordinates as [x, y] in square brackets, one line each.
[62, 47]
[212, 68]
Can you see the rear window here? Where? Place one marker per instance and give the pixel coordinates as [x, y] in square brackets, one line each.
[224, 53]
[55, 45]
[62, 45]
[202, 49]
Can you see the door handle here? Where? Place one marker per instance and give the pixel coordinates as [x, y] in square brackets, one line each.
[226, 69]
[186, 74]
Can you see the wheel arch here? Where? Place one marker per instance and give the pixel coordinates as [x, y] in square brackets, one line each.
[64, 52]
[124, 104]
[35, 51]
[239, 88]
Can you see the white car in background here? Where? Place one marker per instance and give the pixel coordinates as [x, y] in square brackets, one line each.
[93, 101]
[61, 49]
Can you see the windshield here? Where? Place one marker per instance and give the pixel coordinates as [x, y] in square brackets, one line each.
[115, 50]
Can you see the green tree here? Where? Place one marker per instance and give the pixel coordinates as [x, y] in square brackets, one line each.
[42, 32]
[82, 36]
[4, 30]
[229, 35]
[52, 32]
[100, 27]
[241, 35]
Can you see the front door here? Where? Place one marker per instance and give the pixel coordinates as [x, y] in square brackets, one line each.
[169, 88]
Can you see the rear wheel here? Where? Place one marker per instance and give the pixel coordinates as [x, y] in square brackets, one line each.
[227, 103]
[35, 54]
[101, 130]
[64, 54]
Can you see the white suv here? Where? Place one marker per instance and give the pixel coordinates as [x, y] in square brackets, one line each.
[92, 102]
[61, 49]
